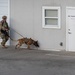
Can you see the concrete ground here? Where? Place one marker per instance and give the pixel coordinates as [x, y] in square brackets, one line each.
[36, 62]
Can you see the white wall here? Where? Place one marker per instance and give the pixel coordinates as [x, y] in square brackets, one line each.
[26, 18]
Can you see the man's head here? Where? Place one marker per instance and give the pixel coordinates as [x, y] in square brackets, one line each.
[4, 17]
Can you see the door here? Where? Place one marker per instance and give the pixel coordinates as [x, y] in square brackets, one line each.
[70, 28]
[4, 10]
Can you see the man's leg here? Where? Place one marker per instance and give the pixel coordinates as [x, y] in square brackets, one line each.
[4, 40]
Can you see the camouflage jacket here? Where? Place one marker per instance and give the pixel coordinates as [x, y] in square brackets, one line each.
[4, 25]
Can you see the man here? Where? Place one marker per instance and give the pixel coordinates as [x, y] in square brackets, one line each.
[4, 30]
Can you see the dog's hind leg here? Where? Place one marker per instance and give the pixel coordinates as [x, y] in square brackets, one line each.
[17, 46]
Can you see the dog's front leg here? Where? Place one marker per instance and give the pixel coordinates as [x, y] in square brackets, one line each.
[28, 46]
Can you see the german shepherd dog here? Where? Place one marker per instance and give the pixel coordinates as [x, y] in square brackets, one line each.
[27, 41]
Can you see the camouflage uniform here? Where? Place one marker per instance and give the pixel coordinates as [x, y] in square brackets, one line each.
[4, 27]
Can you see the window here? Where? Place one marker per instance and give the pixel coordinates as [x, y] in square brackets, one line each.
[50, 17]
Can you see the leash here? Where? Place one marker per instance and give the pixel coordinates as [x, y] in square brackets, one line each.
[9, 36]
[17, 32]
[12, 39]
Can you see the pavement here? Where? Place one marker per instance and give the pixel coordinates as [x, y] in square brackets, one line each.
[36, 62]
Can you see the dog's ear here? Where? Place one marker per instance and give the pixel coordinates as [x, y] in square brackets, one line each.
[25, 37]
[30, 38]
[37, 41]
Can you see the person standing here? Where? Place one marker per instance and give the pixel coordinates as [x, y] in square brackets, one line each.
[4, 31]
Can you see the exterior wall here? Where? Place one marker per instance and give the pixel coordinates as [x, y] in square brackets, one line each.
[21, 19]
[26, 19]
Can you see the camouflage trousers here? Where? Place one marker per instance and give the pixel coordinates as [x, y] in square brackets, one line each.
[4, 39]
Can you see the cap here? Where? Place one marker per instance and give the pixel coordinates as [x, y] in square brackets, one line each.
[4, 17]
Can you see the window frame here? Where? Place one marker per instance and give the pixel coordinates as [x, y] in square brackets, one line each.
[58, 26]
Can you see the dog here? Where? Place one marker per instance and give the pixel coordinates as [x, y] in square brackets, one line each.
[27, 41]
